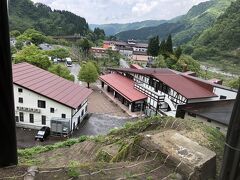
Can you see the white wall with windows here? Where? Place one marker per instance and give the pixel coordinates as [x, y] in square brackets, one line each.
[33, 110]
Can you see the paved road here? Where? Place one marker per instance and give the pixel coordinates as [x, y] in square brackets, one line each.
[123, 63]
[95, 124]
[74, 71]
[100, 124]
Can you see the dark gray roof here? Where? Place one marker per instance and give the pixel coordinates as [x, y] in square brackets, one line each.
[219, 111]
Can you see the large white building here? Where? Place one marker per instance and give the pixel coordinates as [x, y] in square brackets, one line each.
[45, 99]
[160, 91]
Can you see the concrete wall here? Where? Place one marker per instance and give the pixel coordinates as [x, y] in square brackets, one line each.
[223, 128]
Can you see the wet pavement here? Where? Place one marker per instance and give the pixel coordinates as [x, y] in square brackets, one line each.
[95, 124]
[100, 124]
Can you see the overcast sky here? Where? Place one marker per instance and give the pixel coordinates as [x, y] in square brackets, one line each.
[123, 11]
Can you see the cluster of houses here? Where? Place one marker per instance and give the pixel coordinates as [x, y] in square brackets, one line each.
[132, 50]
[45, 99]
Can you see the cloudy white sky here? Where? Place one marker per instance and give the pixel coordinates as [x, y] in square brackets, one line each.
[122, 11]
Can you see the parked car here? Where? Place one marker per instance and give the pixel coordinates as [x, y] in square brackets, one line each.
[68, 62]
[43, 133]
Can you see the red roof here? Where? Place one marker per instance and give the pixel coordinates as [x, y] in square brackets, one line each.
[191, 89]
[185, 87]
[123, 86]
[49, 85]
[136, 66]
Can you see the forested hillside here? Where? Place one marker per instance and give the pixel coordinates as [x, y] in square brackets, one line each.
[24, 14]
[198, 18]
[220, 43]
[144, 34]
[225, 34]
[112, 29]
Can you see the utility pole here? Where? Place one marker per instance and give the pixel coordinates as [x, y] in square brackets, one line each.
[231, 160]
[8, 148]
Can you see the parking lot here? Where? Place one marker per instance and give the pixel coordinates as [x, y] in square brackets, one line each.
[95, 124]
[104, 116]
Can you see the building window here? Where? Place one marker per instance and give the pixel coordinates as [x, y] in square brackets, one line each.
[21, 116]
[16, 118]
[63, 115]
[41, 104]
[31, 118]
[51, 110]
[43, 120]
[20, 90]
[20, 100]
[82, 113]
[223, 97]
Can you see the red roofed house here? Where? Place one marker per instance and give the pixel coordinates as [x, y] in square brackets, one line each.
[45, 99]
[164, 89]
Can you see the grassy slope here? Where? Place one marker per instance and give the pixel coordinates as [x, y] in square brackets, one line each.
[123, 139]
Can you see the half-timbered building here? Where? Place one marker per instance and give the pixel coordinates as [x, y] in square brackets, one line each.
[165, 89]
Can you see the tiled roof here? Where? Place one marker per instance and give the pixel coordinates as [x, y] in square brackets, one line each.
[124, 86]
[49, 85]
[183, 85]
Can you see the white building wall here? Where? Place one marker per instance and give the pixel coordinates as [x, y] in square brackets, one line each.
[223, 128]
[224, 92]
[30, 100]
[80, 114]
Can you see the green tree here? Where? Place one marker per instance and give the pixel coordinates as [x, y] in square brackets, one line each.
[19, 45]
[162, 47]
[88, 73]
[159, 62]
[15, 33]
[99, 33]
[153, 46]
[61, 71]
[33, 36]
[168, 44]
[33, 55]
[58, 53]
[178, 52]
[187, 63]
[85, 45]
[235, 83]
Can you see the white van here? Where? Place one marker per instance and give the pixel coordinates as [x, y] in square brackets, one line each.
[68, 62]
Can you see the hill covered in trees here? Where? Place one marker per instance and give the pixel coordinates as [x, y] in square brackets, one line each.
[183, 28]
[225, 33]
[220, 43]
[24, 14]
[112, 29]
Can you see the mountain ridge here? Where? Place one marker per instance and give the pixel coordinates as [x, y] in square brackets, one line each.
[24, 14]
[198, 18]
[114, 28]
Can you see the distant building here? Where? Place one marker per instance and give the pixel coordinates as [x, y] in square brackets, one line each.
[42, 97]
[164, 89]
[98, 52]
[128, 48]
[136, 66]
